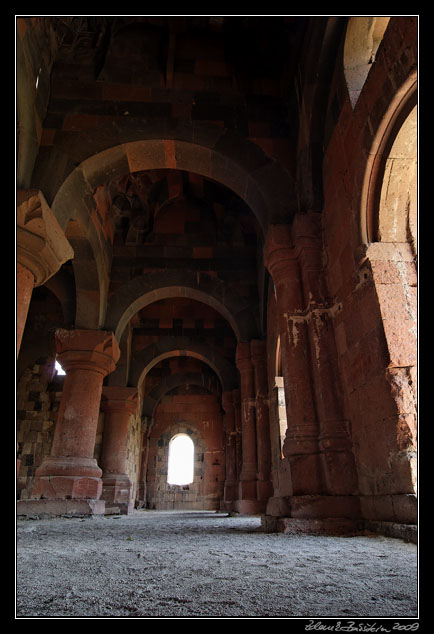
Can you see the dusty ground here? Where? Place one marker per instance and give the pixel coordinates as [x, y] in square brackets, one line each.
[206, 564]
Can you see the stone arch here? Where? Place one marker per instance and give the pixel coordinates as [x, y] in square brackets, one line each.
[399, 109]
[362, 39]
[207, 380]
[146, 289]
[182, 346]
[130, 145]
[388, 229]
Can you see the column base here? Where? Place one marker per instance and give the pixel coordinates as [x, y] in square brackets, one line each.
[315, 506]
[116, 494]
[325, 526]
[398, 508]
[248, 507]
[64, 477]
[41, 509]
[390, 515]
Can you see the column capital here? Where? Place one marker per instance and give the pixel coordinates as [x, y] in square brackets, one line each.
[41, 244]
[95, 350]
[279, 255]
[119, 399]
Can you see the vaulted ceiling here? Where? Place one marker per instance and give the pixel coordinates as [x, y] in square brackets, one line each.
[228, 86]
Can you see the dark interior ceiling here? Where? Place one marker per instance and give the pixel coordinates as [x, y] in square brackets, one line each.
[233, 70]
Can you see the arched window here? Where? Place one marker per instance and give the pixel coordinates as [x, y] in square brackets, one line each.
[280, 397]
[363, 37]
[397, 217]
[181, 460]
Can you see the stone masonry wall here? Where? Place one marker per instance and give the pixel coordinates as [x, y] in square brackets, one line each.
[199, 416]
[358, 285]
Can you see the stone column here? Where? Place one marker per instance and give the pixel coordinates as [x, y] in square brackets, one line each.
[41, 250]
[236, 400]
[118, 404]
[230, 452]
[247, 495]
[141, 495]
[301, 443]
[334, 440]
[69, 480]
[259, 362]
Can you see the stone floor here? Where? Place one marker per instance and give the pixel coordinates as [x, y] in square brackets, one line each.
[154, 564]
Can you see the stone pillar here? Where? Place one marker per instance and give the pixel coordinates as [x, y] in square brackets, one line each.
[118, 404]
[41, 250]
[69, 480]
[263, 476]
[247, 494]
[301, 443]
[334, 439]
[236, 400]
[230, 452]
[141, 494]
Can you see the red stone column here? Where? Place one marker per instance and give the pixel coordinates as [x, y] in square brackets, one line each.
[69, 480]
[259, 362]
[301, 443]
[236, 400]
[230, 453]
[141, 495]
[118, 404]
[25, 284]
[247, 495]
[41, 250]
[334, 440]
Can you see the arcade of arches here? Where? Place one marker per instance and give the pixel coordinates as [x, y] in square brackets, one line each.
[217, 237]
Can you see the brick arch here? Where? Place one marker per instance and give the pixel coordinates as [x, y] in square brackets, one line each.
[168, 347]
[205, 379]
[146, 289]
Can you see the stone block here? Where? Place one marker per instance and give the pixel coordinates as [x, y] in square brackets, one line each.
[59, 507]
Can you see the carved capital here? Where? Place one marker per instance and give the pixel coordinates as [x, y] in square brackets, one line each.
[87, 349]
[41, 244]
[279, 255]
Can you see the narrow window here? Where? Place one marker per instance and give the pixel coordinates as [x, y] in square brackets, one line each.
[280, 398]
[181, 460]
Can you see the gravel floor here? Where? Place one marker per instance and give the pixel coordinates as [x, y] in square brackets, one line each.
[206, 564]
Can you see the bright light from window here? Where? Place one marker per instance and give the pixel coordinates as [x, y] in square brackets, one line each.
[181, 460]
[59, 369]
